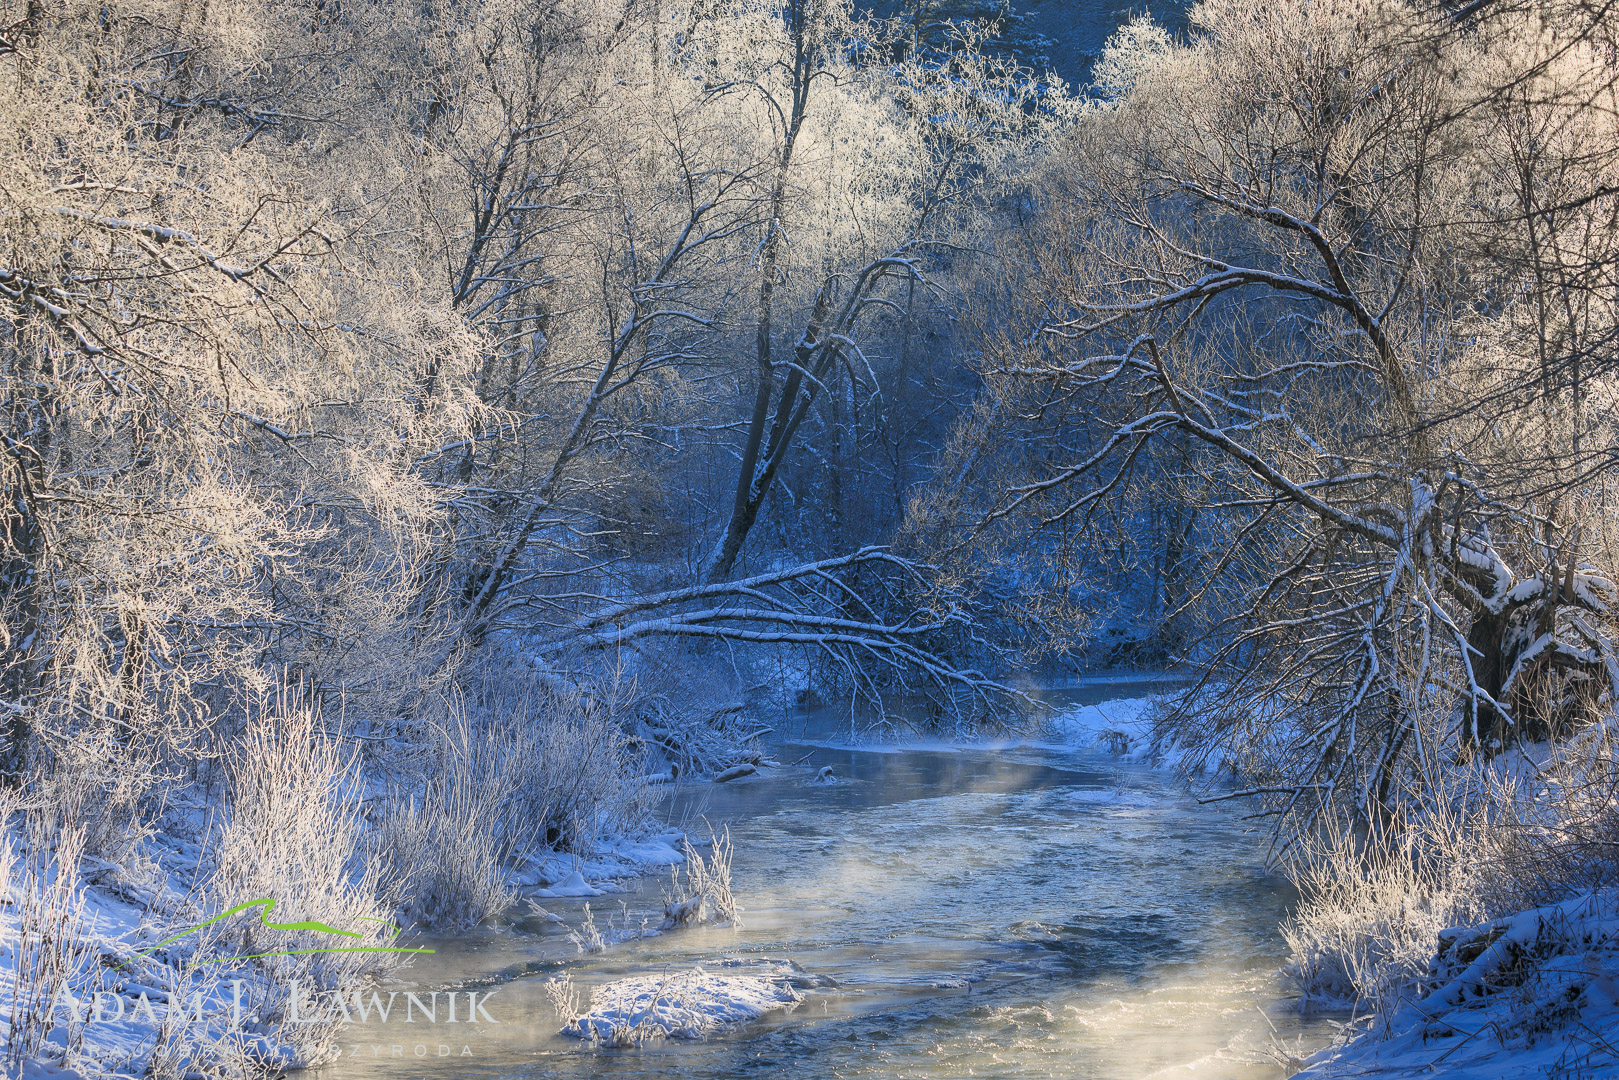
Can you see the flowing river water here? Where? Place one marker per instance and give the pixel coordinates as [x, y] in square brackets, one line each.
[1016, 911]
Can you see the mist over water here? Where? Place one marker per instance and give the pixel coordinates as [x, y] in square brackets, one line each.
[1037, 910]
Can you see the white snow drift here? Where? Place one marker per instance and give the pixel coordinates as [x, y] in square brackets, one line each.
[688, 1004]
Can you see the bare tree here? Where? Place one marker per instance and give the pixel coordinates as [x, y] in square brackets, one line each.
[966, 114]
[1271, 264]
[681, 200]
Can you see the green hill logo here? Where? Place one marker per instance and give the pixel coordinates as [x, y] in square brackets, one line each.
[267, 905]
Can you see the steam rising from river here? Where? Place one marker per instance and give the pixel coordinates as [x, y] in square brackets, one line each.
[1042, 911]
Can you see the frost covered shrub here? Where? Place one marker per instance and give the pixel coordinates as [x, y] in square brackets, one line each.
[45, 952]
[579, 778]
[1382, 919]
[97, 781]
[1367, 928]
[563, 996]
[443, 874]
[291, 834]
[576, 775]
[588, 937]
[510, 771]
[700, 889]
[443, 847]
[1564, 836]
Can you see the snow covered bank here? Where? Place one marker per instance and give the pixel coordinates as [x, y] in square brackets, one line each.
[690, 1004]
[1535, 994]
[98, 979]
[89, 996]
[611, 861]
[1123, 727]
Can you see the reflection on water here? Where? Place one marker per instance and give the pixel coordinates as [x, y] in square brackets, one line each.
[1019, 912]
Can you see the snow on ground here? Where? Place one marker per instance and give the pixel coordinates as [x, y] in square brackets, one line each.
[106, 921]
[612, 861]
[574, 884]
[1122, 726]
[1530, 995]
[108, 1011]
[117, 1031]
[689, 1004]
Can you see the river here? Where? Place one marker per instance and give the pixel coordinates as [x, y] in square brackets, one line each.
[1030, 910]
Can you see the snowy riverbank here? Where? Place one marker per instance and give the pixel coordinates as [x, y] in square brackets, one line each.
[958, 902]
[118, 982]
[1531, 994]
[1123, 727]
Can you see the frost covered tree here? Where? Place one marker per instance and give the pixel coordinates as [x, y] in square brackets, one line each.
[209, 370]
[882, 176]
[339, 343]
[715, 181]
[1336, 279]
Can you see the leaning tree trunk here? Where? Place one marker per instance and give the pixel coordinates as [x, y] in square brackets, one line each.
[1535, 682]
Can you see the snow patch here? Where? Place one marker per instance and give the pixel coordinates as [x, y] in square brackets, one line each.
[686, 1005]
[1121, 727]
[1533, 994]
[611, 860]
[572, 885]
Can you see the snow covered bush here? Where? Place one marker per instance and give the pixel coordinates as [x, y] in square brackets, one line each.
[1371, 912]
[1501, 866]
[588, 938]
[700, 888]
[102, 783]
[1530, 994]
[292, 834]
[508, 770]
[1563, 831]
[445, 870]
[441, 842]
[563, 996]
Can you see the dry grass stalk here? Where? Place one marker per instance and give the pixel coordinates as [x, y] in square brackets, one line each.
[48, 956]
[700, 889]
